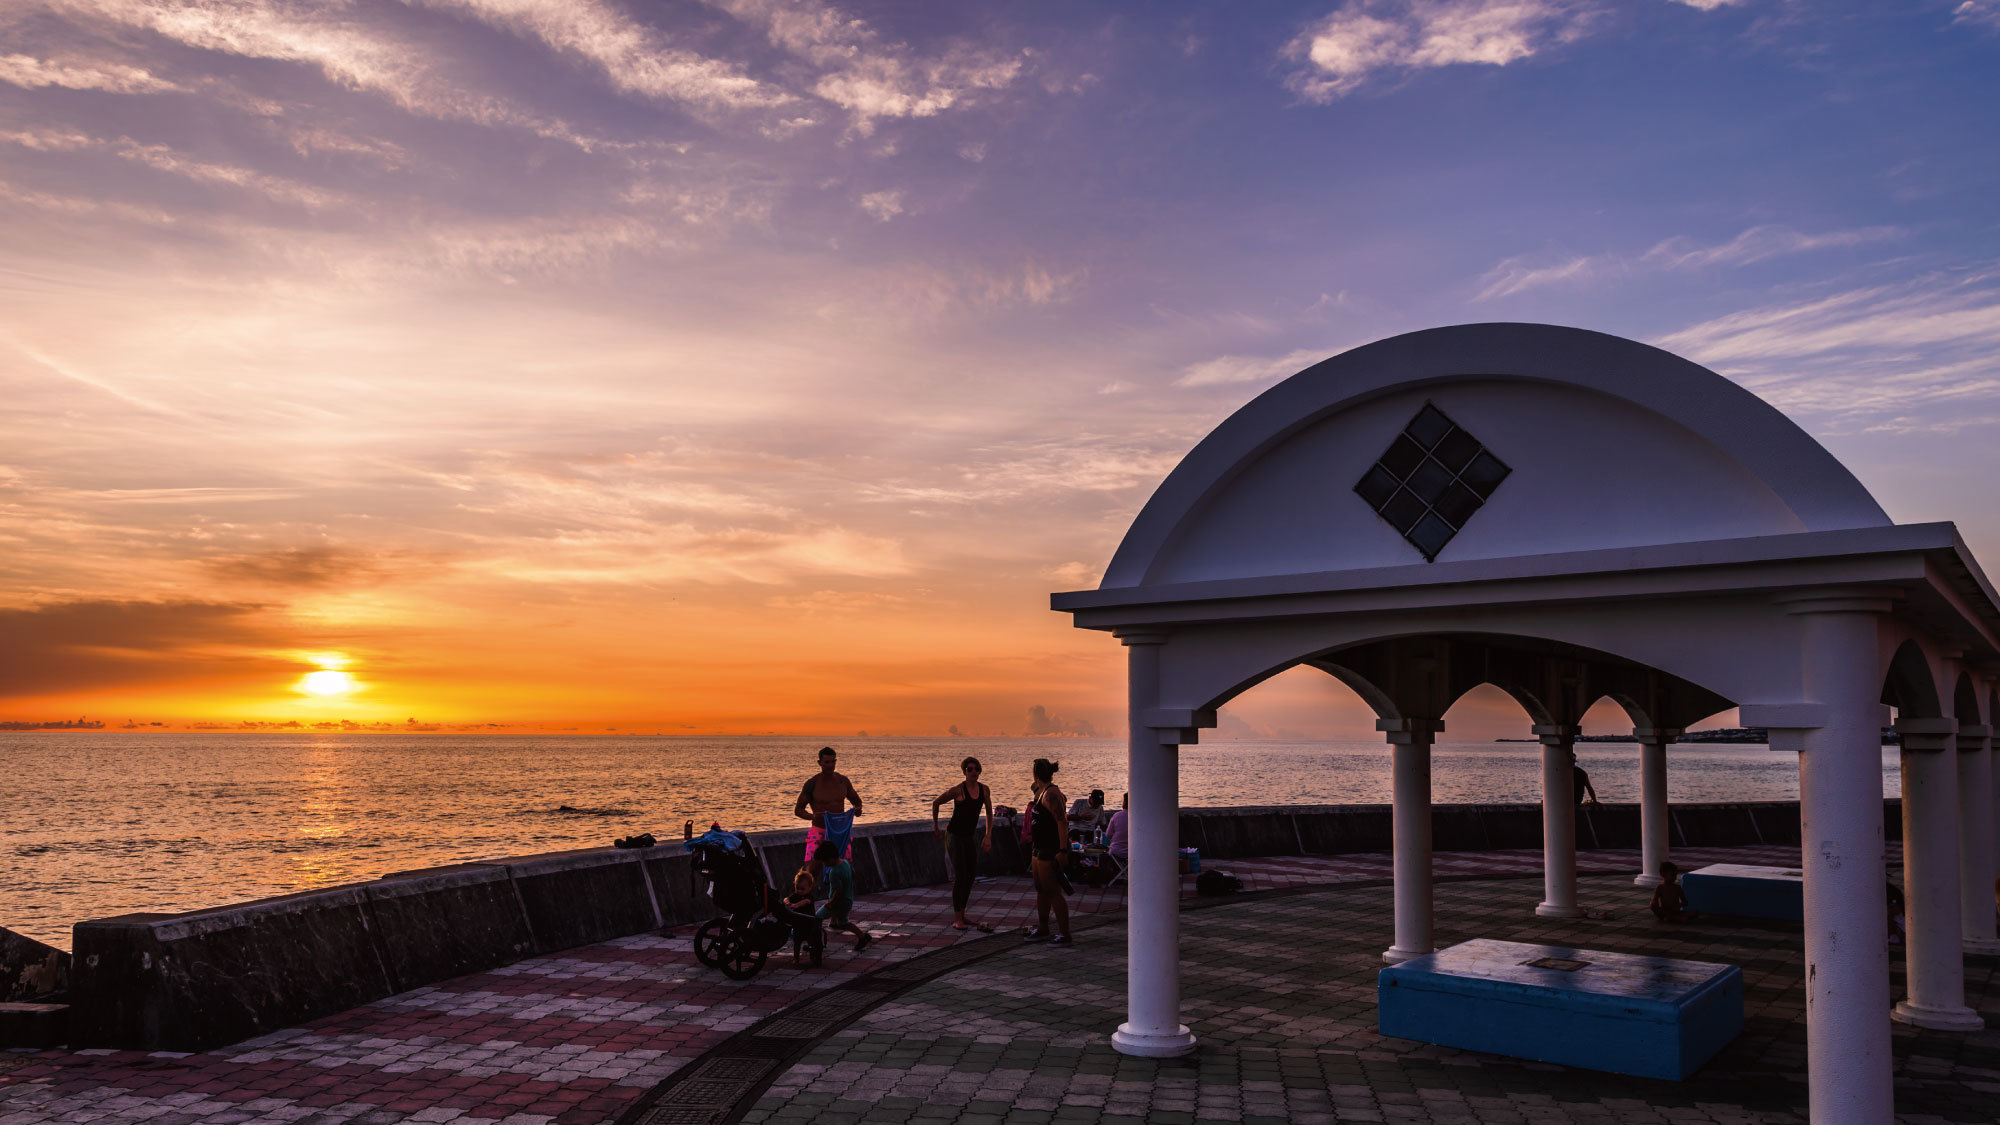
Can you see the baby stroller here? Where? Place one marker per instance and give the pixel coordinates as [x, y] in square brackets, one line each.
[755, 922]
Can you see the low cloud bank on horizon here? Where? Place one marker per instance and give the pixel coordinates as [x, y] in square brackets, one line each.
[765, 364]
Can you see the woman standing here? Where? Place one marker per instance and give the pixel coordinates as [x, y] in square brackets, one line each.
[963, 842]
[1048, 840]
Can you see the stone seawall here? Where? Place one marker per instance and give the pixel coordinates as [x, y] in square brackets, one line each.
[206, 978]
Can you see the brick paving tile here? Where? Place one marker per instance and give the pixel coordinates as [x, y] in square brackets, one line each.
[1281, 991]
[573, 1038]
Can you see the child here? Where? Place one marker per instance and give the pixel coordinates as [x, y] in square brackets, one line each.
[800, 901]
[1669, 900]
[840, 892]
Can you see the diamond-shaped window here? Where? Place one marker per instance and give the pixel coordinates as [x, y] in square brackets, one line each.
[1431, 480]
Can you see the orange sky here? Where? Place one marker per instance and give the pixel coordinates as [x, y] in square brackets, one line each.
[733, 366]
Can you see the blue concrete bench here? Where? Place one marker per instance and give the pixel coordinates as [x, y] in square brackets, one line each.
[1647, 1016]
[1748, 892]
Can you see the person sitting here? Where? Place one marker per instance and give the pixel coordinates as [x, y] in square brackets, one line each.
[1083, 811]
[1118, 833]
[1669, 900]
[800, 902]
[839, 875]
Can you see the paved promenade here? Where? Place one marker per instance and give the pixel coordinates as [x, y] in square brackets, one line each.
[1282, 989]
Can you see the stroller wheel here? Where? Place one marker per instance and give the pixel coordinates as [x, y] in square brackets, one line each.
[737, 958]
[707, 939]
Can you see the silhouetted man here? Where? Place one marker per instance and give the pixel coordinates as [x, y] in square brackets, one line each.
[823, 801]
[1580, 787]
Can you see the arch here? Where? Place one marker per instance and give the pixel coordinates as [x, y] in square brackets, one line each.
[1422, 674]
[1909, 686]
[1374, 697]
[1770, 475]
[1634, 711]
[1965, 701]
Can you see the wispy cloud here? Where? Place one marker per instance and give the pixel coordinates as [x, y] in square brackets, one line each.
[1978, 13]
[164, 159]
[1518, 274]
[1524, 272]
[1918, 352]
[1229, 370]
[332, 39]
[633, 56]
[1759, 243]
[117, 78]
[871, 77]
[1362, 38]
[883, 205]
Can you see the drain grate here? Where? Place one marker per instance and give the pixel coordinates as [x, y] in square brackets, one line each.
[794, 1027]
[686, 1115]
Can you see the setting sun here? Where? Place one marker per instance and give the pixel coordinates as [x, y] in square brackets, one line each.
[327, 682]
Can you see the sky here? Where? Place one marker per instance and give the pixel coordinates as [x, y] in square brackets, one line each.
[755, 365]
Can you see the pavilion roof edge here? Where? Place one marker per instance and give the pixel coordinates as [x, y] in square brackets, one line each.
[1893, 539]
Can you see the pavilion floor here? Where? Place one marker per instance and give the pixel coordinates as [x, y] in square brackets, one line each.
[1280, 987]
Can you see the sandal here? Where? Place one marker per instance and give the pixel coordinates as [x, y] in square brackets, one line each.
[960, 927]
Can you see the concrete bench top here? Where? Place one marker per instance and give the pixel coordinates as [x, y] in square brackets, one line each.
[1747, 871]
[1652, 988]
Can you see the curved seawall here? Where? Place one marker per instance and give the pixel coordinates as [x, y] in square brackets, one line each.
[206, 978]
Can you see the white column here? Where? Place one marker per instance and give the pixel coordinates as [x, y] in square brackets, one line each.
[1933, 958]
[1652, 801]
[1975, 838]
[1152, 1026]
[1410, 741]
[1558, 821]
[1848, 1064]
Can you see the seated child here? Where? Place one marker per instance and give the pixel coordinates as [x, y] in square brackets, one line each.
[800, 901]
[1669, 900]
[840, 893]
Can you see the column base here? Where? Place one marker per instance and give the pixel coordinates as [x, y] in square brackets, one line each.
[1937, 1019]
[1985, 945]
[1396, 956]
[1551, 910]
[1151, 1045]
[1643, 880]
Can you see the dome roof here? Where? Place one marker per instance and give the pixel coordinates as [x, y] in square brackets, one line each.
[1484, 441]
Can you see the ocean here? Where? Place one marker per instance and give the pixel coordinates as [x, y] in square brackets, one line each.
[100, 823]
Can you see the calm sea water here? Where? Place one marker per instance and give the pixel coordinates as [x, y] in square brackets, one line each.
[98, 823]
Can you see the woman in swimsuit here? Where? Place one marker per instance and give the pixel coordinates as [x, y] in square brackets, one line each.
[1048, 836]
[963, 841]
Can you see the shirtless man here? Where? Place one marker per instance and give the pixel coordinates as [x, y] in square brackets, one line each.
[823, 802]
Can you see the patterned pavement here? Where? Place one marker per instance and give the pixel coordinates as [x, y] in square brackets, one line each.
[576, 1038]
[1282, 993]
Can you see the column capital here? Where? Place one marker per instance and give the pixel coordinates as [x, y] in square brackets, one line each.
[1657, 734]
[1786, 722]
[1971, 734]
[1140, 636]
[1927, 734]
[1406, 732]
[1557, 734]
[1840, 599]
